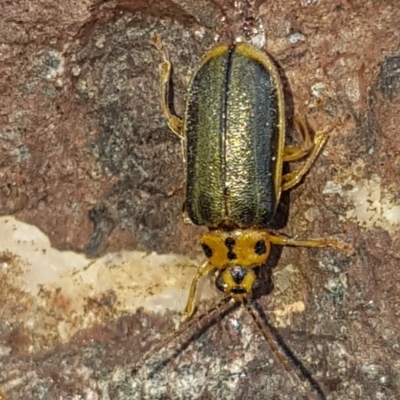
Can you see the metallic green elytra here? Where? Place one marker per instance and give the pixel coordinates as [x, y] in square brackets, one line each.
[234, 126]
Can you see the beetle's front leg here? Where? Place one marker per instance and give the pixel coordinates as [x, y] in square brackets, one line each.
[276, 238]
[204, 269]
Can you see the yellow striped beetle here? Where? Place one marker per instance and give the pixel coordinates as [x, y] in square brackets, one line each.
[233, 131]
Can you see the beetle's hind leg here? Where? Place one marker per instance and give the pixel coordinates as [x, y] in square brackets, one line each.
[310, 148]
[173, 121]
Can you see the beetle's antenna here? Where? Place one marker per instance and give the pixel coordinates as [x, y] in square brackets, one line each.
[266, 332]
[182, 329]
[267, 335]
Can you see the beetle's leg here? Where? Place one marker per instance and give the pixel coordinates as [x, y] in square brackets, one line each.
[204, 269]
[294, 153]
[276, 238]
[173, 121]
[294, 177]
[185, 216]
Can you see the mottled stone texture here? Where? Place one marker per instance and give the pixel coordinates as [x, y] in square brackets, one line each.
[86, 156]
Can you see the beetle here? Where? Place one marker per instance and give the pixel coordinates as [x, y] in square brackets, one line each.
[233, 133]
[234, 130]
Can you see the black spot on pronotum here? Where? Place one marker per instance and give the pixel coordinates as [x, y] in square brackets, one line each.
[230, 244]
[207, 250]
[260, 247]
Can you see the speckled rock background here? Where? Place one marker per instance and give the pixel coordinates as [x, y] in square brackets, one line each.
[86, 156]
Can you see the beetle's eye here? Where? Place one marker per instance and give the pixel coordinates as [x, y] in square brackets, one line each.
[220, 284]
[207, 250]
[257, 286]
[260, 248]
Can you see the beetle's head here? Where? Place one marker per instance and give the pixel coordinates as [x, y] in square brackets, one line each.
[235, 254]
[238, 282]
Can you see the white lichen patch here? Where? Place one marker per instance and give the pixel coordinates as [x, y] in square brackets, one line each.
[52, 294]
[290, 295]
[368, 203]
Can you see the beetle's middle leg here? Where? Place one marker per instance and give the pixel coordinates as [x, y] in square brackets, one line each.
[173, 121]
[309, 147]
[294, 153]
